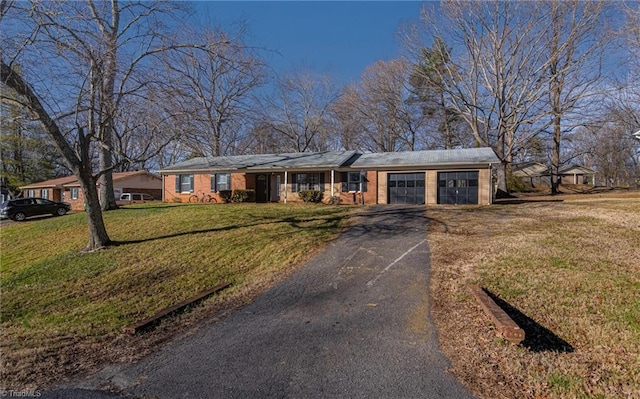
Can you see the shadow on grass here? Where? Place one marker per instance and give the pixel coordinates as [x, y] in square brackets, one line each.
[537, 338]
[292, 221]
[524, 201]
[375, 223]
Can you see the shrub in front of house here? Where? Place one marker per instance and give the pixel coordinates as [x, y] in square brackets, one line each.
[225, 195]
[310, 196]
[243, 196]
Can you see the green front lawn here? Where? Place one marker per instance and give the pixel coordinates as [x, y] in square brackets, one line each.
[53, 296]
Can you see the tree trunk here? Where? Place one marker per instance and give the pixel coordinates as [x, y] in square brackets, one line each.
[98, 237]
[555, 156]
[501, 175]
[107, 200]
[107, 196]
[81, 166]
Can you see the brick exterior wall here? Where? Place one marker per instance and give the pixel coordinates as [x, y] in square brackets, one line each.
[202, 185]
[431, 184]
[76, 204]
[376, 187]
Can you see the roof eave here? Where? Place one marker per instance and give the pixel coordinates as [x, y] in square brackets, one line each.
[439, 165]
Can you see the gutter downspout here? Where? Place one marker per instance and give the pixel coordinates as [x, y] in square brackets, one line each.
[491, 199]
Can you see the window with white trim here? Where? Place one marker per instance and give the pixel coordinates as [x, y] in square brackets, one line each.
[354, 182]
[44, 193]
[74, 192]
[307, 181]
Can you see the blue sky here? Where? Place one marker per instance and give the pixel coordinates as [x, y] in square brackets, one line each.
[339, 38]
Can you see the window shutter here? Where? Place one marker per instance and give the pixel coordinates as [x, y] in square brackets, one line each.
[344, 177]
[191, 178]
[177, 183]
[322, 182]
[294, 182]
[213, 183]
[363, 179]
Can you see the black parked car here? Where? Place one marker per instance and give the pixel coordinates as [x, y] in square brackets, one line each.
[21, 208]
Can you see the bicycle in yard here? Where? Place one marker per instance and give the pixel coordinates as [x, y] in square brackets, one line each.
[202, 197]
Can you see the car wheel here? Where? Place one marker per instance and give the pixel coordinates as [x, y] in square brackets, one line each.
[61, 211]
[19, 217]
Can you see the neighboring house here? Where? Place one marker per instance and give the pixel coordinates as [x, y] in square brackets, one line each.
[68, 188]
[536, 174]
[531, 173]
[51, 189]
[576, 174]
[461, 176]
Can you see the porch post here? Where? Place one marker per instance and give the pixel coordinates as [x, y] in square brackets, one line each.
[332, 183]
[286, 180]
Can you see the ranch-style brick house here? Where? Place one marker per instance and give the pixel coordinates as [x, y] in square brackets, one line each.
[67, 188]
[458, 176]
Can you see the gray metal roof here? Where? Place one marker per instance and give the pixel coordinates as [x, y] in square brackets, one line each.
[426, 158]
[299, 160]
[335, 159]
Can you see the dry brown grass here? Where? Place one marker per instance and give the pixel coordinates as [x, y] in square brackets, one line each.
[571, 267]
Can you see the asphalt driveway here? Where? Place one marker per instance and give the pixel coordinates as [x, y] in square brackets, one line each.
[352, 323]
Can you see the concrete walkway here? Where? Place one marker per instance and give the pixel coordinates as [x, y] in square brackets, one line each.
[352, 323]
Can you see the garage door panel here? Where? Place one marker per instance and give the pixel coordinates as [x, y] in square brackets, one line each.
[406, 188]
[458, 188]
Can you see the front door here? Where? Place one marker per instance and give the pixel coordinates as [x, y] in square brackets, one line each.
[262, 188]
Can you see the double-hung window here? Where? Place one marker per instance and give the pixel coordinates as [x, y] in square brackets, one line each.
[354, 182]
[74, 192]
[307, 181]
[220, 182]
[184, 183]
[44, 193]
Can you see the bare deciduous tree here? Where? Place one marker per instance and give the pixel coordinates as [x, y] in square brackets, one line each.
[493, 79]
[298, 112]
[214, 83]
[517, 68]
[111, 52]
[100, 56]
[576, 41]
[611, 151]
[378, 113]
[78, 159]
